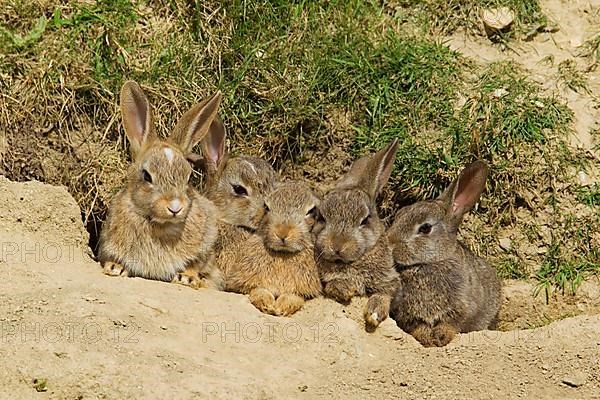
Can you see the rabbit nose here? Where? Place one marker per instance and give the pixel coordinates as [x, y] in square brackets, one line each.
[282, 232]
[175, 206]
[337, 245]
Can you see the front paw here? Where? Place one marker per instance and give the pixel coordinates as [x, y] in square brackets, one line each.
[263, 300]
[287, 304]
[189, 278]
[339, 291]
[114, 269]
[377, 310]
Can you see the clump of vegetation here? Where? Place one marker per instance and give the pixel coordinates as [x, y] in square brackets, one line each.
[446, 17]
[570, 76]
[309, 86]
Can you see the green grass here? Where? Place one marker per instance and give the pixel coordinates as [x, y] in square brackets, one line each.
[301, 77]
[571, 77]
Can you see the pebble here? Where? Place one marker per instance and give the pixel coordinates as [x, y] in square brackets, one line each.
[575, 380]
[505, 244]
[497, 20]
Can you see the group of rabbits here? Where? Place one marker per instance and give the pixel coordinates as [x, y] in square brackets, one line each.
[281, 243]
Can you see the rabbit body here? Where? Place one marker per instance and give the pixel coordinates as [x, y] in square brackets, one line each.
[276, 266]
[444, 288]
[352, 251]
[158, 226]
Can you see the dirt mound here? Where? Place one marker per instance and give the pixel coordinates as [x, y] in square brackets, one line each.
[49, 212]
[71, 332]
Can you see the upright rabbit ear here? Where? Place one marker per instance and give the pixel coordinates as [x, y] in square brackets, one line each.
[370, 173]
[194, 125]
[213, 146]
[137, 117]
[464, 192]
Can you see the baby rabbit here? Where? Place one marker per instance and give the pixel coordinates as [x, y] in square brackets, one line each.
[444, 288]
[352, 250]
[237, 186]
[158, 226]
[276, 267]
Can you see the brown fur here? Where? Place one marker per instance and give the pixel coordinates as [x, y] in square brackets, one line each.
[142, 236]
[276, 266]
[444, 288]
[352, 251]
[239, 213]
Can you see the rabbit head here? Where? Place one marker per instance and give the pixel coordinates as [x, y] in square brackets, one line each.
[237, 185]
[290, 216]
[348, 223]
[425, 232]
[157, 179]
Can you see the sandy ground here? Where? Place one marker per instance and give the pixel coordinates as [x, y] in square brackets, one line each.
[74, 333]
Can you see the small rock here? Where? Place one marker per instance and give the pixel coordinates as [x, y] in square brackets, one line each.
[497, 20]
[576, 380]
[164, 328]
[505, 244]
[499, 93]
[583, 178]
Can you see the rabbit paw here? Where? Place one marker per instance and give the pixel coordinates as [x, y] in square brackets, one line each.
[339, 290]
[189, 278]
[377, 310]
[438, 336]
[287, 304]
[114, 269]
[263, 300]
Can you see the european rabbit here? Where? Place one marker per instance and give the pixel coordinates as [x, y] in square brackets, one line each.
[444, 288]
[276, 266]
[237, 186]
[352, 251]
[158, 226]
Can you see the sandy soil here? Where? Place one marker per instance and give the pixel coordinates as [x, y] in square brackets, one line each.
[73, 333]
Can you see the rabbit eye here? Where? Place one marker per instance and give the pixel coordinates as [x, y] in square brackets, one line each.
[266, 208]
[312, 212]
[147, 176]
[366, 220]
[425, 229]
[240, 190]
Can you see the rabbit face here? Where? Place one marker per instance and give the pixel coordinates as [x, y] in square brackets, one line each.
[348, 226]
[160, 182]
[421, 234]
[290, 216]
[425, 232]
[240, 190]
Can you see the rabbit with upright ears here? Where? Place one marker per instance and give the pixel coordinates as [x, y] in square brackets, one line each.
[352, 250]
[276, 266]
[444, 288]
[158, 226]
[237, 186]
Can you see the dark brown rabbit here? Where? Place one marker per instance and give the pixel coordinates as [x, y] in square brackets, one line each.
[444, 288]
[352, 250]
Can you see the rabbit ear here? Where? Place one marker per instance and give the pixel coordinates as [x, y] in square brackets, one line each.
[193, 126]
[370, 173]
[137, 116]
[213, 145]
[464, 192]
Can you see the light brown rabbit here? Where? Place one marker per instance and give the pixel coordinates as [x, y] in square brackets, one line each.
[444, 288]
[276, 266]
[352, 251]
[237, 186]
[158, 226]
